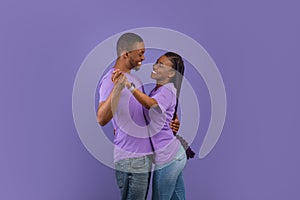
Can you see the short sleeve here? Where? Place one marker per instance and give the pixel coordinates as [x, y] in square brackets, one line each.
[105, 88]
[164, 97]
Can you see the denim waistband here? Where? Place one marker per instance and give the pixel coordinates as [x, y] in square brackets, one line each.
[141, 164]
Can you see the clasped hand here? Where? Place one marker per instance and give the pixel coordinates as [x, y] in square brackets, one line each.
[119, 79]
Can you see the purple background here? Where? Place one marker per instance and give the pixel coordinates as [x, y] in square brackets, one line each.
[255, 45]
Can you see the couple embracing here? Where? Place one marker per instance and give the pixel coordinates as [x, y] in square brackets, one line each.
[144, 124]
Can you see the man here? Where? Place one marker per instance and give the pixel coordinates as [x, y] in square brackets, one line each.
[132, 152]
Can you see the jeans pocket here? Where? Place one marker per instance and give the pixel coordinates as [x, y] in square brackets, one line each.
[180, 157]
[140, 162]
[120, 165]
[180, 154]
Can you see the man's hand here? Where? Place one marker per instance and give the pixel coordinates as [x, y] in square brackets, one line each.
[175, 124]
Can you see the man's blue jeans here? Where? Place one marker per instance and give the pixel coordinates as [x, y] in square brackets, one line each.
[133, 177]
[168, 181]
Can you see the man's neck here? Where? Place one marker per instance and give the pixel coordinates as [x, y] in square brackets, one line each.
[121, 66]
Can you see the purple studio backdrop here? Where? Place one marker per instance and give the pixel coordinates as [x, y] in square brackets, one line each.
[255, 45]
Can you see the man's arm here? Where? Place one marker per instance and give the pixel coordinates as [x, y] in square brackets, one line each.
[175, 124]
[107, 108]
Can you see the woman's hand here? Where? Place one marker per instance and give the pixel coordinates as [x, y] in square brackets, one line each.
[119, 79]
[116, 76]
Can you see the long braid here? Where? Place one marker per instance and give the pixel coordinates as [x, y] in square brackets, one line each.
[178, 65]
[177, 80]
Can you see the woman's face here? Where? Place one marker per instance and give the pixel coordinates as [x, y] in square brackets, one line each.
[163, 70]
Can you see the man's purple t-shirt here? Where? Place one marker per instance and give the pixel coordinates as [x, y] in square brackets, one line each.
[131, 137]
[164, 142]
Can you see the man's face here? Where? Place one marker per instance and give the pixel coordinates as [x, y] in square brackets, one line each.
[136, 56]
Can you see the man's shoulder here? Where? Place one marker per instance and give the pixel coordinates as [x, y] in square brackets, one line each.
[106, 78]
[108, 74]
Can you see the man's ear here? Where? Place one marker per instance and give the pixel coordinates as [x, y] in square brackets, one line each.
[124, 54]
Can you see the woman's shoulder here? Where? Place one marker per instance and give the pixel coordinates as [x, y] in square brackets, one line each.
[169, 87]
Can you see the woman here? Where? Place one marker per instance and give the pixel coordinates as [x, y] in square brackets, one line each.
[160, 106]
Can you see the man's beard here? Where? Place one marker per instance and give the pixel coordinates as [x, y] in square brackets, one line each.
[137, 68]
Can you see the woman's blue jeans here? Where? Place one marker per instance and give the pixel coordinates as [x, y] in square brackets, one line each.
[168, 181]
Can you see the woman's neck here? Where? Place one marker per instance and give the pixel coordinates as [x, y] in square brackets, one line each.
[161, 83]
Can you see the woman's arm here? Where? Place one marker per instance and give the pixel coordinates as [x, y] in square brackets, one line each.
[145, 100]
[142, 98]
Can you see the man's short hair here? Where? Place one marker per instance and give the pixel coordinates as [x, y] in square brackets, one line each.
[127, 41]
